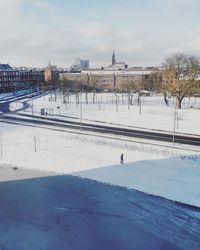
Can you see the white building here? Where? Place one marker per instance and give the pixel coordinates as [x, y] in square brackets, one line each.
[117, 65]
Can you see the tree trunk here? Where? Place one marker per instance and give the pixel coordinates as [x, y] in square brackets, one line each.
[165, 98]
[93, 101]
[77, 99]
[86, 97]
[178, 103]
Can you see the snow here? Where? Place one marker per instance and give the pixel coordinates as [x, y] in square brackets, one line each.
[154, 113]
[66, 212]
[168, 172]
[15, 105]
[172, 178]
[162, 170]
[5, 95]
[52, 192]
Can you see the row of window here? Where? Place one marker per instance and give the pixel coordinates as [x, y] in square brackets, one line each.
[20, 73]
[20, 78]
[104, 76]
[18, 84]
[7, 79]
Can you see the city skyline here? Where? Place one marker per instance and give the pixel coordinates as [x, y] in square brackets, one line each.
[142, 33]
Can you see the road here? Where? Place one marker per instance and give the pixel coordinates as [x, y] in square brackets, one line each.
[92, 127]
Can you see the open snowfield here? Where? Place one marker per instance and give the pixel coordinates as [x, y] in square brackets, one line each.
[42, 208]
[154, 113]
[170, 173]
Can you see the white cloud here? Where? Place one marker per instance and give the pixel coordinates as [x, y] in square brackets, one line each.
[92, 30]
[41, 32]
[41, 4]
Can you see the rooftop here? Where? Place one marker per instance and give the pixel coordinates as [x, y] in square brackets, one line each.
[5, 67]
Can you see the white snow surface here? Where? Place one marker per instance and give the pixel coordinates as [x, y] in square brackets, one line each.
[154, 113]
[170, 173]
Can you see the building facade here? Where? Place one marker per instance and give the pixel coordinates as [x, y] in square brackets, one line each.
[107, 79]
[51, 76]
[12, 79]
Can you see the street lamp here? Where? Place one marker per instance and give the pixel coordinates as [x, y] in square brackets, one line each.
[81, 110]
[1, 144]
[174, 121]
[32, 107]
[140, 104]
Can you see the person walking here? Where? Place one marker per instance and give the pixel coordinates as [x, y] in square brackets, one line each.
[122, 159]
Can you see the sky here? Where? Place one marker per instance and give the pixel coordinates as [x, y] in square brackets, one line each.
[142, 32]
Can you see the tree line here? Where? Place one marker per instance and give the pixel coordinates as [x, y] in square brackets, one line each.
[178, 76]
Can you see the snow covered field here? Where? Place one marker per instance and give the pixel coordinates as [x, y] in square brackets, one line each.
[67, 212]
[166, 172]
[154, 113]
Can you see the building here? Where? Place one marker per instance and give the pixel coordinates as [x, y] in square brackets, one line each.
[80, 64]
[51, 75]
[117, 65]
[107, 79]
[5, 67]
[16, 79]
[115, 76]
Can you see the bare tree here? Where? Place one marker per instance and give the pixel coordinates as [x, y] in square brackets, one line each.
[154, 81]
[94, 83]
[180, 75]
[131, 87]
